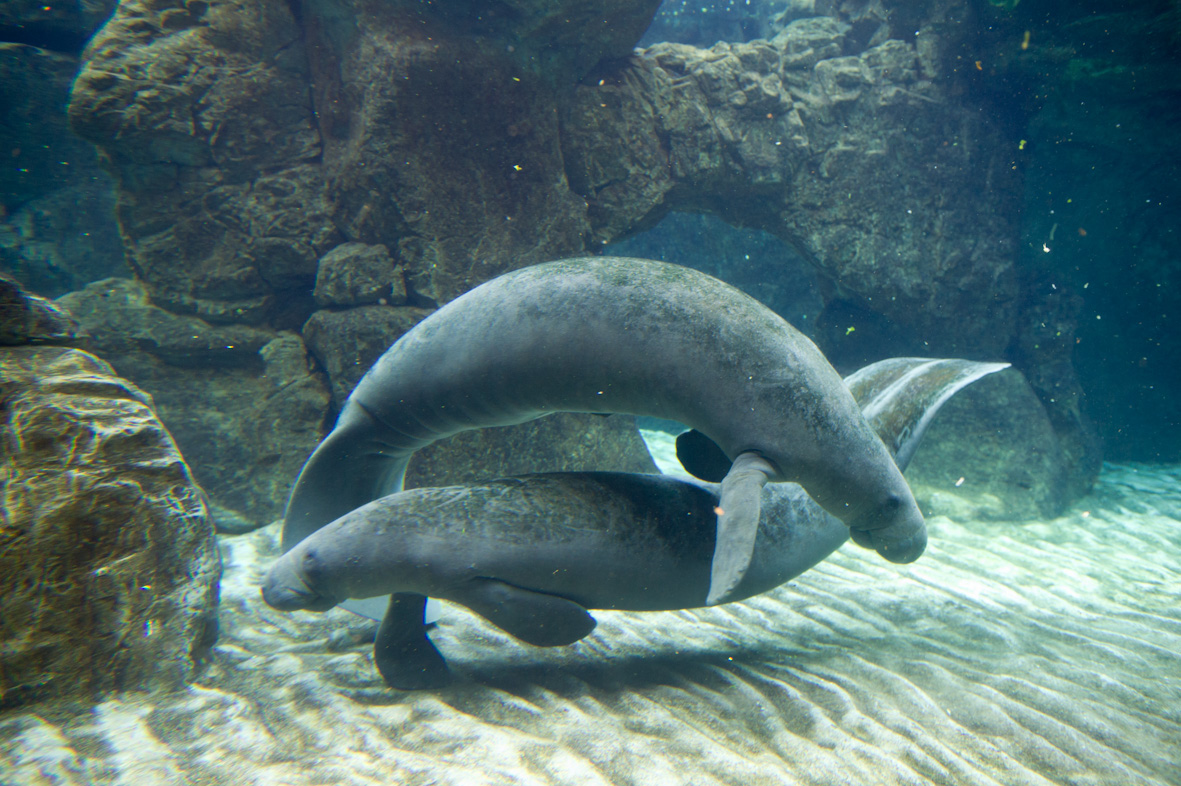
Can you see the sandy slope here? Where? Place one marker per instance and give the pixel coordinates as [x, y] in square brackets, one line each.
[1044, 653]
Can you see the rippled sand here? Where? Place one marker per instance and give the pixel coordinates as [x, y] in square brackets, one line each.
[1009, 654]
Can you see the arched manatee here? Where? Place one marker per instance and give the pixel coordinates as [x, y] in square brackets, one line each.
[618, 335]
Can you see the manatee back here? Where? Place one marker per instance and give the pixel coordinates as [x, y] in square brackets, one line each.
[653, 514]
[602, 334]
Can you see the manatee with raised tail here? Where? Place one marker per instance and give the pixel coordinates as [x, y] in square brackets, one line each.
[533, 553]
[617, 335]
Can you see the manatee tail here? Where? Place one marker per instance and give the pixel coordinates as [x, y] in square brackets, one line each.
[900, 396]
[351, 467]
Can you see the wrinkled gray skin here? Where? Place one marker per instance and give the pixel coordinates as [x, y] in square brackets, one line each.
[615, 335]
[533, 553]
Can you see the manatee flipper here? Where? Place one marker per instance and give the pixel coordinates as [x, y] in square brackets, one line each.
[402, 651]
[533, 617]
[738, 523]
[701, 457]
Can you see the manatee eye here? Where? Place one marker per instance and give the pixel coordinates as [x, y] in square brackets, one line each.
[892, 502]
[310, 564]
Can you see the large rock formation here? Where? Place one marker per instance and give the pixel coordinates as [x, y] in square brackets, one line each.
[861, 161]
[254, 149]
[203, 114]
[108, 565]
[29, 319]
[447, 144]
[992, 454]
[444, 147]
[466, 157]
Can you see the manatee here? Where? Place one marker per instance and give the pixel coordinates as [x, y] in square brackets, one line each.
[533, 554]
[618, 335]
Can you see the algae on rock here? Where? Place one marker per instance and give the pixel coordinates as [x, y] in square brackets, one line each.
[109, 567]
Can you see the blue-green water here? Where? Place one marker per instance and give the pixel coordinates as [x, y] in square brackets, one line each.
[1043, 651]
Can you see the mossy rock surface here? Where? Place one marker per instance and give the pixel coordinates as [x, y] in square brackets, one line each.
[109, 568]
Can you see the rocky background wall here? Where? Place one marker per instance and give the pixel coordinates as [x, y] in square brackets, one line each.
[281, 171]
[1084, 95]
[254, 147]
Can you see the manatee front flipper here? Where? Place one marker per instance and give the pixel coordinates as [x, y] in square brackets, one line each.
[533, 617]
[738, 523]
[404, 655]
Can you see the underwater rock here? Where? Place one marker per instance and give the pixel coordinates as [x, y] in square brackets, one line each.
[28, 319]
[1044, 350]
[108, 564]
[119, 318]
[992, 454]
[437, 146]
[203, 113]
[242, 402]
[446, 147]
[815, 148]
[347, 342]
[354, 274]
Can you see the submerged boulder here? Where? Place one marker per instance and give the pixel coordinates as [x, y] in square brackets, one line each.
[992, 454]
[203, 113]
[28, 319]
[109, 567]
[355, 274]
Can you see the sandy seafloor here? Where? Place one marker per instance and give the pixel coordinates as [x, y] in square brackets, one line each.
[1010, 653]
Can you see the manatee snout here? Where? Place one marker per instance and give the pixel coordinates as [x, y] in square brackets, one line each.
[894, 528]
[285, 588]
